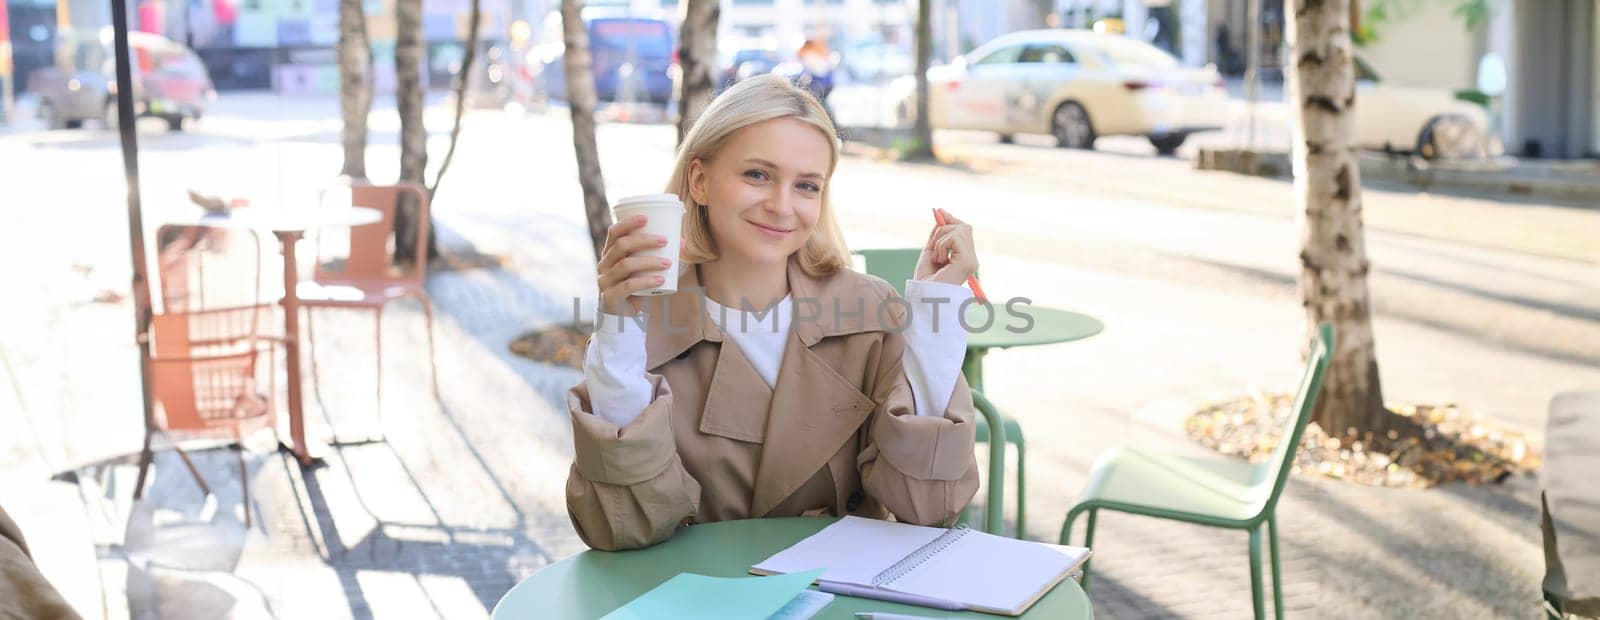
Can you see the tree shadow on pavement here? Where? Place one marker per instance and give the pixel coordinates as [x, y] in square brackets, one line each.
[1438, 318]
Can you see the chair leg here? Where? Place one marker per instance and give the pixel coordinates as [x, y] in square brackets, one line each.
[145, 456]
[377, 320]
[244, 481]
[1277, 580]
[1088, 541]
[316, 375]
[311, 353]
[433, 363]
[1255, 573]
[1022, 495]
[193, 471]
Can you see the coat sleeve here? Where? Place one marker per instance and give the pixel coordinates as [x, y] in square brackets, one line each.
[24, 591]
[922, 468]
[627, 487]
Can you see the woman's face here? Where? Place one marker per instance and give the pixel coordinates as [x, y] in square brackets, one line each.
[763, 190]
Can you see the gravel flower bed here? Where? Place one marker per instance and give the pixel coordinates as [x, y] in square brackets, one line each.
[1455, 446]
[560, 345]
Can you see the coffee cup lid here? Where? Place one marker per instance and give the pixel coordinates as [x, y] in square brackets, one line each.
[652, 199]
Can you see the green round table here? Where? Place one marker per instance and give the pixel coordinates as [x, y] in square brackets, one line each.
[592, 584]
[1049, 326]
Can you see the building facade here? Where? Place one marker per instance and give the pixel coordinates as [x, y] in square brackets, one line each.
[1551, 51]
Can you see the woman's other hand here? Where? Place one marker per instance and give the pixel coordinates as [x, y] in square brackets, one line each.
[948, 256]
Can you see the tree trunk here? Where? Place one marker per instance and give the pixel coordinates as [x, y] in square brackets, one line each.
[355, 86]
[581, 100]
[463, 79]
[1327, 188]
[922, 148]
[413, 136]
[697, 57]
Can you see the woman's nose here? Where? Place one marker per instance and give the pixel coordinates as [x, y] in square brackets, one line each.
[781, 203]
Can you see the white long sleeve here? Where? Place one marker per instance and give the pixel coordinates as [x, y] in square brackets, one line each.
[935, 345]
[613, 368]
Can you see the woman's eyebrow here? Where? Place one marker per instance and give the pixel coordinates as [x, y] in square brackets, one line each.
[806, 175]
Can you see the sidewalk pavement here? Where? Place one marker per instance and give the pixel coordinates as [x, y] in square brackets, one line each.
[465, 497]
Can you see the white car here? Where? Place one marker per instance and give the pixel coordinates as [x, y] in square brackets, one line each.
[1075, 85]
[1430, 122]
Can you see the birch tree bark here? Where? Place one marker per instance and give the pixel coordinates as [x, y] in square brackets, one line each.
[413, 136]
[581, 101]
[1327, 190]
[697, 55]
[355, 86]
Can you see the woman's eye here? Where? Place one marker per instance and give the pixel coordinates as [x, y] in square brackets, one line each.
[809, 186]
[759, 175]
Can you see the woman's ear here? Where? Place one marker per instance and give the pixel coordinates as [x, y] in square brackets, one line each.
[697, 181]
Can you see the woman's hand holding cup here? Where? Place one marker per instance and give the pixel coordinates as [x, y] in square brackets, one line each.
[624, 271]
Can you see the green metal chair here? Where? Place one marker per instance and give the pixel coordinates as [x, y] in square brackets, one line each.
[1227, 494]
[896, 265]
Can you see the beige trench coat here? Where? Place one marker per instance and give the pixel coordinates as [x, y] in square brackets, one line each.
[838, 434]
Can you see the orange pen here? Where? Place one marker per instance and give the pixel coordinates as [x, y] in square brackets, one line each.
[972, 280]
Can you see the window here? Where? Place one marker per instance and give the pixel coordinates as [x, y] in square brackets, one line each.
[1046, 54]
[1364, 72]
[1127, 52]
[1002, 56]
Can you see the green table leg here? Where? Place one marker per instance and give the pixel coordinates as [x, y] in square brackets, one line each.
[994, 511]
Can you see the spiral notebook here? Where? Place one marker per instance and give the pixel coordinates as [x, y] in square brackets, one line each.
[958, 568]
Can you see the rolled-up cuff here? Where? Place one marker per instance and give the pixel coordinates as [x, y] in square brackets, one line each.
[609, 454]
[929, 447]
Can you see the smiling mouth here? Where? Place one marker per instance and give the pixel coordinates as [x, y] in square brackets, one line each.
[770, 229]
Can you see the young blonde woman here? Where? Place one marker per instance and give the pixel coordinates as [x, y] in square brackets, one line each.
[776, 382]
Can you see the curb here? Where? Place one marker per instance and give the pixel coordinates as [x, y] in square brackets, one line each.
[1577, 181]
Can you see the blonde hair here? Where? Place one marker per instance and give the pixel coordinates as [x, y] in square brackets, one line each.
[751, 101]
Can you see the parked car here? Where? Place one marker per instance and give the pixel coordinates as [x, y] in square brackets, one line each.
[1429, 122]
[633, 57]
[748, 62]
[1075, 85]
[169, 82]
[876, 61]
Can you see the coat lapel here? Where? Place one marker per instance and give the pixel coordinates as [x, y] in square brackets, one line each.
[814, 411]
[738, 400]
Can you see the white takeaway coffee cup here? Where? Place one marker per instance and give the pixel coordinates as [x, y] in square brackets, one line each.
[665, 217]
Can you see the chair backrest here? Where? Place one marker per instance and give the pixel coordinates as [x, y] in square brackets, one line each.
[371, 254]
[896, 265]
[200, 267]
[1271, 475]
[203, 366]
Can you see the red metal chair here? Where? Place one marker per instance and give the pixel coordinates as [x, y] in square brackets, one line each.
[205, 379]
[368, 277]
[205, 362]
